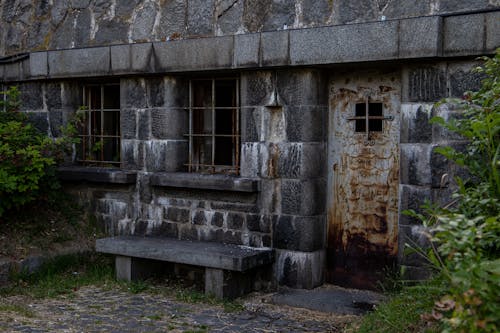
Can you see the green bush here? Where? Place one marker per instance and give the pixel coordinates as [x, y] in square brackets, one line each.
[26, 158]
[466, 236]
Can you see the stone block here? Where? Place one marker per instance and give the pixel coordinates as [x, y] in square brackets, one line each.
[112, 32]
[217, 219]
[169, 123]
[256, 88]
[415, 125]
[303, 270]
[344, 43]
[52, 96]
[120, 58]
[306, 123]
[38, 64]
[299, 233]
[246, 50]
[176, 92]
[175, 214]
[316, 12]
[464, 35]
[229, 17]
[168, 229]
[250, 124]
[420, 37]
[414, 241]
[303, 197]
[443, 171]
[426, 84]
[463, 79]
[133, 93]
[155, 87]
[132, 153]
[79, 62]
[200, 17]
[55, 118]
[128, 123]
[144, 21]
[492, 29]
[165, 155]
[415, 168]
[31, 96]
[12, 72]
[275, 48]
[173, 20]
[412, 197]
[447, 112]
[302, 87]
[234, 221]
[270, 196]
[194, 54]
[144, 124]
[200, 217]
[250, 160]
[453, 6]
[313, 160]
[141, 57]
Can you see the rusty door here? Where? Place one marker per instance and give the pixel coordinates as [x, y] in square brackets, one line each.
[363, 178]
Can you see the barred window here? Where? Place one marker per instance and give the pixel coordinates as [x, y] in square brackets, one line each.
[214, 126]
[100, 126]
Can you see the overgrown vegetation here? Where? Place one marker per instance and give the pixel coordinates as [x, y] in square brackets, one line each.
[465, 293]
[28, 158]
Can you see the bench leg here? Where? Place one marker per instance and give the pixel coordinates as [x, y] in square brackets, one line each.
[226, 284]
[123, 267]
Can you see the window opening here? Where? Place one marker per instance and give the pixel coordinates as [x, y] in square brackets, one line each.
[368, 118]
[214, 130]
[100, 126]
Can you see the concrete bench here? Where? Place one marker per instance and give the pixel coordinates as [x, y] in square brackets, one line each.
[228, 268]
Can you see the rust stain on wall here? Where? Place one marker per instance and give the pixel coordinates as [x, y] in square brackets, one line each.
[364, 182]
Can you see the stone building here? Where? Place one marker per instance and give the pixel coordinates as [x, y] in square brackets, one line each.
[298, 125]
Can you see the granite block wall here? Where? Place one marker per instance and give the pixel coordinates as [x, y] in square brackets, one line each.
[427, 176]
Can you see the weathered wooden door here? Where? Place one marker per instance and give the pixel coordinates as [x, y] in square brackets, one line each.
[363, 178]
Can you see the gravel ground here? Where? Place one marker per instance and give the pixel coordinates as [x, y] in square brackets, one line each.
[92, 309]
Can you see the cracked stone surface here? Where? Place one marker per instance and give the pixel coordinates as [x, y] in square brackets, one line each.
[93, 309]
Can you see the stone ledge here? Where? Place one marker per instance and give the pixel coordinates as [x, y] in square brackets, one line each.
[97, 175]
[205, 181]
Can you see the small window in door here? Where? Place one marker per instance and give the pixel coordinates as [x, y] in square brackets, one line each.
[373, 119]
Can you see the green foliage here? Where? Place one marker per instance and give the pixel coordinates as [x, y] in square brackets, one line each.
[465, 237]
[27, 157]
[403, 311]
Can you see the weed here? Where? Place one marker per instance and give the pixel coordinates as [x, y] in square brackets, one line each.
[402, 313]
[18, 309]
[61, 275]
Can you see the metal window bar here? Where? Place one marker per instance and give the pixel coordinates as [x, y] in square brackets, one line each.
[93, 133]
[197, 164]
[367, 117]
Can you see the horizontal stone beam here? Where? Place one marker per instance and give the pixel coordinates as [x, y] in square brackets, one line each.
[422, 37]
[202, 181]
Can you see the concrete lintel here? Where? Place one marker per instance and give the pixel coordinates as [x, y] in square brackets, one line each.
[421, 37]
[38, 64]
[203, 181]
[93, 61]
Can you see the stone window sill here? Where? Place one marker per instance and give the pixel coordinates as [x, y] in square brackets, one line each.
[204, 181]
[97, 175]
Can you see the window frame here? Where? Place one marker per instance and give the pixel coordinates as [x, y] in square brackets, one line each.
[86, 131]
[195, 163]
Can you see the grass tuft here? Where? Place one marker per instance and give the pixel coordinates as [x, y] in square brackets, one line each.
[402, 312]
